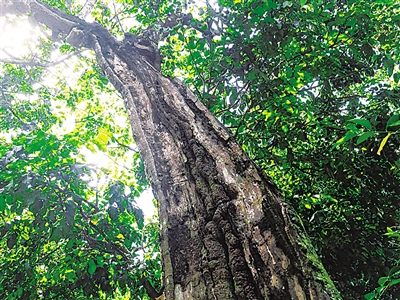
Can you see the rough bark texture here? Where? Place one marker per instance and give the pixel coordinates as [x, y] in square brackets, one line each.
[225, 232]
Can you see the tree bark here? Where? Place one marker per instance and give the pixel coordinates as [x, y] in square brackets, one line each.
[225, 231]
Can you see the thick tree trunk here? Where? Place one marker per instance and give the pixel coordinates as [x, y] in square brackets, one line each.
[225, 232]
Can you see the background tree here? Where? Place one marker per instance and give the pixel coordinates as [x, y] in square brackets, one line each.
[309, 90]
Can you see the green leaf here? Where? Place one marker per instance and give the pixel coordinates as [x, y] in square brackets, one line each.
[397, 123]
[382, 281]
[289, 72]
[259, 10]
[272, 4]
[70, 274]
[2, 203]
[253, 75]
[349, 135]
[100, 261]
[370, 296]
[192, 44]
[393, 270]
[394, 282]
[70, 243]
[392, 120]
[104, 80]
[92, 267]
[20, 292]
[396, 77]
[364, 137]
[362, 122]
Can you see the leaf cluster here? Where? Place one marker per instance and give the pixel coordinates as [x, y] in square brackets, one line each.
[310, 89]
[69, 229]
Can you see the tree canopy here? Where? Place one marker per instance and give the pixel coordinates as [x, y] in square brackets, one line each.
[309, 88]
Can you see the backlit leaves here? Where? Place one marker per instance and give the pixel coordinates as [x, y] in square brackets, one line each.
[309, 88]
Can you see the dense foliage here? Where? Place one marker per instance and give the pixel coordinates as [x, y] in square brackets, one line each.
[70, 227]
[309, 88]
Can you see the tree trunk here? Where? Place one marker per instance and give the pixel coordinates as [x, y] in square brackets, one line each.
[225, 232]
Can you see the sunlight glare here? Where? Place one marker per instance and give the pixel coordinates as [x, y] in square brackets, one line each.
[18, 37]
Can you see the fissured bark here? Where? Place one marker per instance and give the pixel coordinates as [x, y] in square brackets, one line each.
[225, 232]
